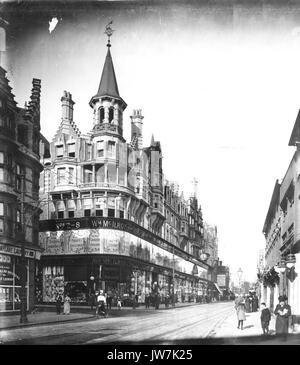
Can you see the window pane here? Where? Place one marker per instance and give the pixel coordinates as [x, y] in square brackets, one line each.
[1, 157]
[1, 174]
[87, 212]
[71, 175]
[111, 212]
[71, 214]
[60, 176]
[1, 209]
[59, 151]
[1, 225]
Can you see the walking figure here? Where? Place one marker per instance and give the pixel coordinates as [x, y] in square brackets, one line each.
[58, 303]
[265, 318]
[282, 312]
[119, 303]
[240, 311]
[101, 305]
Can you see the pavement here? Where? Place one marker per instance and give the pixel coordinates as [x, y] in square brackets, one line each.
[46, 314]
[252, 326]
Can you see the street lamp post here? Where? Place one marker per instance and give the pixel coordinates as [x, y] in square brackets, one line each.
[240, 273]
[173, 280]
[23, 296]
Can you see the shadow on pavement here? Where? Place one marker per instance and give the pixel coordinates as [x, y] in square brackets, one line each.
[290, 339]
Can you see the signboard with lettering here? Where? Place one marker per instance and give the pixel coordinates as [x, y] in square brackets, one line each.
[6, 273]
[16, 251]
[98, 225]
[221, 280]
[113, 242]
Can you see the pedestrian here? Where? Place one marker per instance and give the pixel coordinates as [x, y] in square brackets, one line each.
[119, 303]
[254, 303]
[58, 303]
[241, 316]
[265, 318]
[67, 307]
[282, 312]
[92, 300]
[247, 303]
[109, 301]
[147, 300]
[101, 304]
[157, 300]
[167, 300]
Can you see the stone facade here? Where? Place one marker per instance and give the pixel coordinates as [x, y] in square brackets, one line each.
[20, 169]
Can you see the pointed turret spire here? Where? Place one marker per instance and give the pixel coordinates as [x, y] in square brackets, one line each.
[108, 86]
[152, 141]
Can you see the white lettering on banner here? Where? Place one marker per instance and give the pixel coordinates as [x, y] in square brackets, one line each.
[4, 258]
[16, 251]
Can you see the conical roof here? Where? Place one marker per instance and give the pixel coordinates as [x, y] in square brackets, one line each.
[108, 84]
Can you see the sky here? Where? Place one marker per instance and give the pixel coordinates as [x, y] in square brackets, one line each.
[219, 90]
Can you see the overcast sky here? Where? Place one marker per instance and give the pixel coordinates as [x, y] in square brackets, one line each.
[219, 91]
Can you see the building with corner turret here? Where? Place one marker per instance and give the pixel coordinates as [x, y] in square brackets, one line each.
[111, 220]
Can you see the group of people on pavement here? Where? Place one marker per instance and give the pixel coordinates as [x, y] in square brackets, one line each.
[282, 313]
[65, 300]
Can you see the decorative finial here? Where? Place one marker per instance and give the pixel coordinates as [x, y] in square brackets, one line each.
[109, 31]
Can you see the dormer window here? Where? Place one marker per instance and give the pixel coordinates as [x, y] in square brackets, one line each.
[111, 114]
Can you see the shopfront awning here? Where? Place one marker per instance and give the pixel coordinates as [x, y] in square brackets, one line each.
[217, 287]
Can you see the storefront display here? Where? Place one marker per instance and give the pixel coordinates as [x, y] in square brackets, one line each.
[10, 285]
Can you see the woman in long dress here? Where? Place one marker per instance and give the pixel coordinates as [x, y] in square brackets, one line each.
[67, 307]
[282, 312]
[240, 312]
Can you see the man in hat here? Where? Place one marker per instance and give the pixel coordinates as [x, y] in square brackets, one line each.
[282, 312]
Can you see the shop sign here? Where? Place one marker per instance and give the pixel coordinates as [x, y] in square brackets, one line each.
[6, 273]
[16, 251]
[123, 225]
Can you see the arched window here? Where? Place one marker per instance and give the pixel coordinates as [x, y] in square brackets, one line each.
[101, 114]
[111, 114]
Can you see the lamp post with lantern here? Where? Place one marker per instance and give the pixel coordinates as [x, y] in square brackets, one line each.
[240, 273]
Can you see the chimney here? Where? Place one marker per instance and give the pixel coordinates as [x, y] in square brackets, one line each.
[67, 106]
[137, 127]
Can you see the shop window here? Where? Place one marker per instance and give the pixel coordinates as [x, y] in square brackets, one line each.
[59, 151]
[111, 213]
[61, 176]
[121, 214]
[1, 157]
[71, 214]
[99, 213]
[111, 114]
[60, 215]
[87, 212]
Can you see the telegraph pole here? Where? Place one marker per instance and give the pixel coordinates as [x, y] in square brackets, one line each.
[23, 296]
[173, 280]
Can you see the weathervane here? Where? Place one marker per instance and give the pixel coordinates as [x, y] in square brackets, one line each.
[109, 31]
